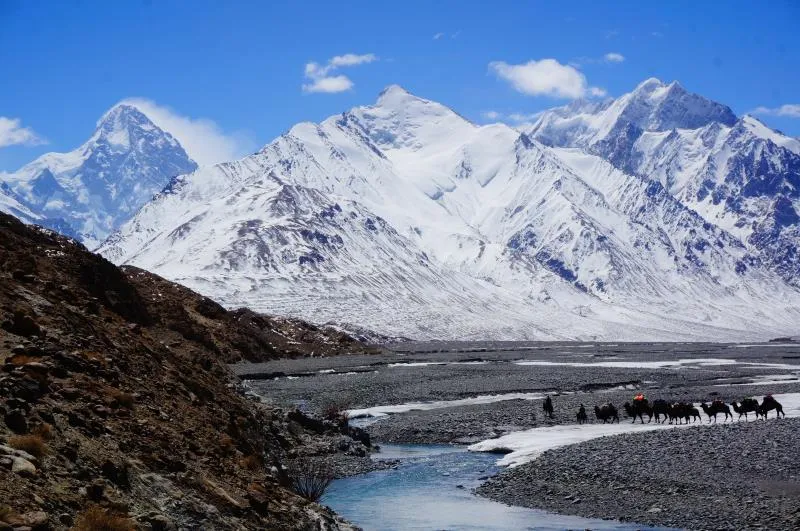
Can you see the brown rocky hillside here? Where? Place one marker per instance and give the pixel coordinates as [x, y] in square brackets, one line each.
[117, 405]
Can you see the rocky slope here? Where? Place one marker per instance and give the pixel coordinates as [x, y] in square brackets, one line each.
[89, 192]
[116, 399]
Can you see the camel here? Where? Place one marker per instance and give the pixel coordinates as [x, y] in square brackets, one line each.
[676, 413]
[768, 405]
[637, 409]
[581, 416]
[717, 406]
[659, 408]
[607, 413]
[547, 406]
[682, 411]
[748, 405]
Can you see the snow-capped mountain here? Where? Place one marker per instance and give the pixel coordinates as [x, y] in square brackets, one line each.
[735, 172]
[407, 218]
[89, 192]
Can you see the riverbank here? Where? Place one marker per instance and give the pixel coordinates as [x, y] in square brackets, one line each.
[467, 395]
[734, 476]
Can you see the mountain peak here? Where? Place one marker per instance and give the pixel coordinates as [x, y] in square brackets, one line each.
[123, 122]
[649, 84]
[396, 96]
[394, 88]
[100, 184]
[122, 111]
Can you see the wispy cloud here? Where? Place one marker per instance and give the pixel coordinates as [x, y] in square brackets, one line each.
[609, 58]
[12, 133]
[656, 34]
[321, 80]
[438, 36]
[546, 77]
[455, 35]
[612, 34]
[517, 117]
[203, 140]
[792, 110]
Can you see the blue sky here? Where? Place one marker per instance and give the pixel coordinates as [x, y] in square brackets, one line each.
[235, 70]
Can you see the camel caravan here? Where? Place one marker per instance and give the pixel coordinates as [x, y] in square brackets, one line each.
[676, 412]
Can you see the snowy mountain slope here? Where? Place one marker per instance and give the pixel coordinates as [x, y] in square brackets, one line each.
[457, 230]
[293, 250]
[652, 106]
[10, 203]
[95, 188]
[735, 172]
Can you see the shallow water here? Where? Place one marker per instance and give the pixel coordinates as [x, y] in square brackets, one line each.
[432, 490]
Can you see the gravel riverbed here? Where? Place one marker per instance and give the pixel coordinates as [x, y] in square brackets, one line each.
[733, 476]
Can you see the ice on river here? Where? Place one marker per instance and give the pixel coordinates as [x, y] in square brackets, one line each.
[525, 446]
[382, 411]
[662, 364]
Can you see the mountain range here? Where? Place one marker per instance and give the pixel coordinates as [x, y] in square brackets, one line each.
[659, 215]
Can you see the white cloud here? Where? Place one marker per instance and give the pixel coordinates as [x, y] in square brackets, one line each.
[322, 82]
[351, 59]
[202, 138]
[656, 34]
[12, 133]
[613, 57]
[491, 115]
[438, 36]
[791, 110]
[330, 85]
[546, 77]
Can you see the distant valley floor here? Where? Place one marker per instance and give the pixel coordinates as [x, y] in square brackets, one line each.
[733, 475]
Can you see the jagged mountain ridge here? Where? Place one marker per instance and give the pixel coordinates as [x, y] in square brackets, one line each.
[518, 239]
[89, 192]
[735, 172]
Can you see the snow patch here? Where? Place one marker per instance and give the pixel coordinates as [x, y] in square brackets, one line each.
[527, 445]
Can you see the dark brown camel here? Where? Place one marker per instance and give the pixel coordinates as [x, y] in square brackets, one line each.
[748, 405]
[716, 407]
[606, 413]
[682, 411]
[768, 405]
[660, 408]
[638, 409]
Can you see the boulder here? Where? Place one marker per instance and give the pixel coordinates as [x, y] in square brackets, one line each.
[22, 466]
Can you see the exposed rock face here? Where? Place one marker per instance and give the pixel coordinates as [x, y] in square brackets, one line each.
[115, 392]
